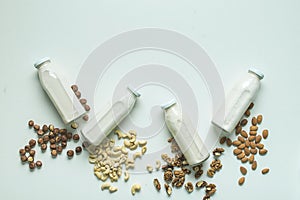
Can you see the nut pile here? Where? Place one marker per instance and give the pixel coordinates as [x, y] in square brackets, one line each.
[176, 169]
[248, 144]
[56, 138]
[83, 101]
[108, 158]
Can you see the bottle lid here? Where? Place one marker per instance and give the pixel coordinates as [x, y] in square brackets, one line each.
[41, 61]
[133, 91]
[169, 104]
[256, 72]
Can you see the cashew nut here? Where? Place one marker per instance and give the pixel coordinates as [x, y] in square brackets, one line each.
[149, 168]
[119, 133]
[144, 149]
[126, 176]
[137, 155]
[112, 189]
[130, 165]
[142, 143]
[158, 164]
[105, 185]
[135, 188]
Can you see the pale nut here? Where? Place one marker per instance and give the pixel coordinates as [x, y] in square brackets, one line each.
[126, 176]
[105, 185]
[149, 168]
[135, 188]
[112, 189]
[142, 143]
[144, 149]
[157, 165]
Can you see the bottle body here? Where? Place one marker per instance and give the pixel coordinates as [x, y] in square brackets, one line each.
[105, 121]
[185, 135]
[61, 95]
[237, 101]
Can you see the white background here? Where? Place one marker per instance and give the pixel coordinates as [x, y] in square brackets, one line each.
[235, 34]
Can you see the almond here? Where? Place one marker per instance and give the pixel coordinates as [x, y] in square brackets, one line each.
[251, 159]
[238, 129]
[228, 142]
[237, 151]
[241, 155]
[241, 146]
[247, 143]
[244, 122]
[254, 165]
[247, 151]
[259, 119]
[254, 121]
[241, 139]
[244, 134]
[258, 139]
[265, 134]
[236, 142]
[252, 138]
[253, 151]
[265, 170]
[243, 170]
[222, 140]
[263, 151]
[254, 133]
[253, 128]
[252, 145]
[244, 160]
[260, 145]
[247, 113]
[241, 180]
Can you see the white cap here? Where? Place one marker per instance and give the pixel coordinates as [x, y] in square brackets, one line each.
[41, 61]
[256, 72]
[133, 91]
[169, 104]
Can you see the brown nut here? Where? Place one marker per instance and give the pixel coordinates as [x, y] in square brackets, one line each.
[247, 113]
[76, 137]
[38, 164]
[43, 147]
[222, 140]
[243, 170]
[259, 119]
[251, 106]
[241, 181]
[32, 143]
[244, 134]
[265, 133]
[53, 153]
[244, 122]
[258, 139]
[31, 166]
[157, 184]
[251, 159]
[238, 129]
[22, 152]
[30, 123]
[265, 170]
[237, 151]
[70, 153]
[263, 151]
[236, 143]
[254, 165]
[253, 128]
[254, 121]
[241, 139]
